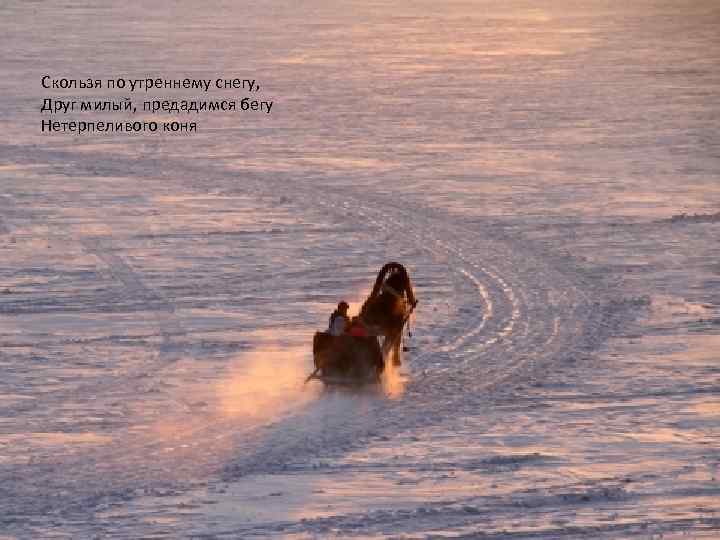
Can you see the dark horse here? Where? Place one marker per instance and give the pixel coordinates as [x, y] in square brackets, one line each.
[388, 307]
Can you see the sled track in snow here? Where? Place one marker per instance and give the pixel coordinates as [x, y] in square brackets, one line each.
[523, 314]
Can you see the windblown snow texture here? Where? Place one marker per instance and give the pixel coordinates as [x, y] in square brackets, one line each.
[549, 176]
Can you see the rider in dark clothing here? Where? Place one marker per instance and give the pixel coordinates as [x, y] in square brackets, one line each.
[339, 319]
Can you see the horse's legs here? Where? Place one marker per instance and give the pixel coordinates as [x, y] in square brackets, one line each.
[386, 345]
[396, 350]
[391, 347]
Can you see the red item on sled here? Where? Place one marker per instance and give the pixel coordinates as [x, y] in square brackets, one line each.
[357, 330]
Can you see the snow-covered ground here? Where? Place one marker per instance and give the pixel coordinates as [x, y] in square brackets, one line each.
[529, 163]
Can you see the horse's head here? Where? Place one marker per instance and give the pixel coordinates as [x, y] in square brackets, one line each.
[399, 279]
[394, 275]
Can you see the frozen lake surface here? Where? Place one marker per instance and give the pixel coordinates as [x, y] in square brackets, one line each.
[529, 163]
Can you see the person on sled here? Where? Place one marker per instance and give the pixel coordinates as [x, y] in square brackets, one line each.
[339, 320]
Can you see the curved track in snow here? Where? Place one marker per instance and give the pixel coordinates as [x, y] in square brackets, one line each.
[494, 313]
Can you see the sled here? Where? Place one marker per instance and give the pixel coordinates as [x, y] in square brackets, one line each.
[347, 360]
